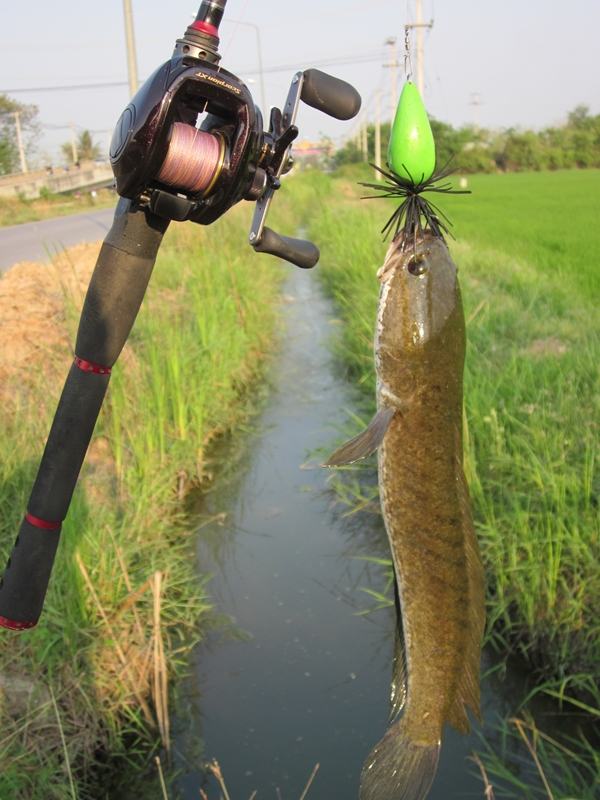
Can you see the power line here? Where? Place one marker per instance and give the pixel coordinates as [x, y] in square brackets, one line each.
[363, 58]
[65, 88]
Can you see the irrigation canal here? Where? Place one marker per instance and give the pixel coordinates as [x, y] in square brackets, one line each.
[297, 677]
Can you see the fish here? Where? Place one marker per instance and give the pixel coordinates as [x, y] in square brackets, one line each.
[439, 579]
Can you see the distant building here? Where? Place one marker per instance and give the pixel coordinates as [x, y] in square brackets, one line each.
[312, 154]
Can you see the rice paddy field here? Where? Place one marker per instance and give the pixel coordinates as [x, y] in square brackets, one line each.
[528, 251]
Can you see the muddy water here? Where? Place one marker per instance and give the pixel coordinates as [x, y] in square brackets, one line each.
[297, 677]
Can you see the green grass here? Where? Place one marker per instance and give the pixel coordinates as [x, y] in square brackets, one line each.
[190, 374]
[528, 252]
[548, 219]
[529, 764]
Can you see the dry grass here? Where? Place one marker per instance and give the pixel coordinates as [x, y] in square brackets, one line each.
[214, 768]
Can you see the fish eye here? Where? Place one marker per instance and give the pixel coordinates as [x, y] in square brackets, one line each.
[417, 265]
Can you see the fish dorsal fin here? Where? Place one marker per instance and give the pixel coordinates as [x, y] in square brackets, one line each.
[366, 442]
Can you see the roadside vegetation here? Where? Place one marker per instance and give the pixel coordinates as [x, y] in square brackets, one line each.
[530, 284]
[16, 210]
[84, 696]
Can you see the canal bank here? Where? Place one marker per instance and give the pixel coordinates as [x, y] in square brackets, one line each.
[297, 676]
[82, 695]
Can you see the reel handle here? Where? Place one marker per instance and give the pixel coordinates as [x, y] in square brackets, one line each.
[330, 95]
[298, 251]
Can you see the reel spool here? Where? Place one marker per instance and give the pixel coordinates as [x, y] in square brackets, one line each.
[194, 159]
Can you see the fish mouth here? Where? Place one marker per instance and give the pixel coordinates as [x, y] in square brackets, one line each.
[415, 262]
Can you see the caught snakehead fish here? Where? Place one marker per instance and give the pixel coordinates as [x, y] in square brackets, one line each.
[419, 360]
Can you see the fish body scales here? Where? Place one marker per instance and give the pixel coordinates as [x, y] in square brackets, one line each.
[419, 356]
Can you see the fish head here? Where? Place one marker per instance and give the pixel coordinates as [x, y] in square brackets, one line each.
[420, 321]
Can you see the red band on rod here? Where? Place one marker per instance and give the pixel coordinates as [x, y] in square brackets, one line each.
[16, 626]
[89, 366]
[205, 27]
[44, 524]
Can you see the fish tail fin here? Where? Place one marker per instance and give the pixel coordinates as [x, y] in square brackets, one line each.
[399, 768]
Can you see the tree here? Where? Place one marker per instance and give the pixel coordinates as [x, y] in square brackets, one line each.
[85, 149]
[9, 152]
[471, 149]
[580, 118]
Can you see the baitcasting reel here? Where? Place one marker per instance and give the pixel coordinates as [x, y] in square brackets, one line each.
[191, 142]
[188, 147]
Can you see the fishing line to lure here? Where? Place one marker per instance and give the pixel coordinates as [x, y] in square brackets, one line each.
[407, 58]
[412, 168]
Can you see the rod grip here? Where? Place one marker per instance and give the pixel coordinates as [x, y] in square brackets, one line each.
[112, 302]
[330, 95]
[297, 251]
[25, 580]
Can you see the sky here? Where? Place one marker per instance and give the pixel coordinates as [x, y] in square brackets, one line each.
[529, 62]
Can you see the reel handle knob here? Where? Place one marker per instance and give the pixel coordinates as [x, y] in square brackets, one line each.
[297, 251]
[331, 95]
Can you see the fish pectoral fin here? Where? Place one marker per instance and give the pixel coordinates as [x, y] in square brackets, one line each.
[366, 442]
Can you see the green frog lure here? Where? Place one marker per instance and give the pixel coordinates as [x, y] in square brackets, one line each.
[412, 171]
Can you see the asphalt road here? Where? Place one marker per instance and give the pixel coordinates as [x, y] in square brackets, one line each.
[39, 241]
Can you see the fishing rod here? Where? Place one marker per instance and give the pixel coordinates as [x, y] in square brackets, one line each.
[189, 146]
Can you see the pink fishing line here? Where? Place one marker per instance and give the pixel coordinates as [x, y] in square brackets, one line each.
[192, 159]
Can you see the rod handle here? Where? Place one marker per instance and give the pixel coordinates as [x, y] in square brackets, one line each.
[330, 95]
[297, 251]
[25, 581]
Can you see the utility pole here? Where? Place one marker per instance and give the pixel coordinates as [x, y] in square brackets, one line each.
[365, 140]
[420, 26]
[393, 64]
[130, 44]
[378, 136]
[74, 153]
[17, 115]
[261, 73]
